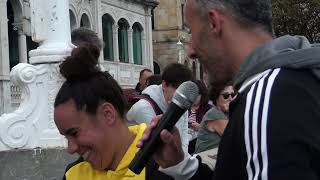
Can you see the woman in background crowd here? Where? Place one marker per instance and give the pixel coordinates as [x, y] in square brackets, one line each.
[215, 120]
[196, 113]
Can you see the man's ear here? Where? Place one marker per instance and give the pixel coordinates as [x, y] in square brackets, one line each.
[215, 21]
[108, 113]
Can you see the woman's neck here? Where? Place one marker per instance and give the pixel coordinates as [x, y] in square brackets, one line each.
[125, 139]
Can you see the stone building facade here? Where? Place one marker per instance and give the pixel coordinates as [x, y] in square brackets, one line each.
[171, 37]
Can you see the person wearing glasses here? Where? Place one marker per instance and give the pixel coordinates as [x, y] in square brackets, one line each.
[215, 120]
[198, 109]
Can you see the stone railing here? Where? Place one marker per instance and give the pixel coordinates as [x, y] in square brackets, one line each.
[16, 97]
[127, 75]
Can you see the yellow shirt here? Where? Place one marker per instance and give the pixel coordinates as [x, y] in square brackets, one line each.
[84, 171]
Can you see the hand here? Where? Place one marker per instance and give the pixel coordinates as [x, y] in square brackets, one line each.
[195, 126]
[170, 152]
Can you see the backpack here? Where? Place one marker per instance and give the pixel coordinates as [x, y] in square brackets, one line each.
[133, 97]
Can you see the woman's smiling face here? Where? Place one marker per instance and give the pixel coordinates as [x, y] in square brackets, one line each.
[86, 134]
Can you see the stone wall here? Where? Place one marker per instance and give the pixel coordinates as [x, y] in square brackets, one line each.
[168, 31]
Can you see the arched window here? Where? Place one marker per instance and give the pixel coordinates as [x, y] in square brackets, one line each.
[107, 22]
[123, 40]
[85, 21]
[137, 43]
[73, 23]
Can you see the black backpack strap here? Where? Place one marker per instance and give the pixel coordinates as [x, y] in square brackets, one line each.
[154, 105]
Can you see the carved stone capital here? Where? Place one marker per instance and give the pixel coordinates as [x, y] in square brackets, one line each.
[18, 27]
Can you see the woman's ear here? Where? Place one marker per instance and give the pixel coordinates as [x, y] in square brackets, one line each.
[107, 113]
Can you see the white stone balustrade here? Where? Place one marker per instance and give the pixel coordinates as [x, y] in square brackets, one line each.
[16, 97]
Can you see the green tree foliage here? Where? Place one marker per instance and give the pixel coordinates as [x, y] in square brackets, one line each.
[297, 17]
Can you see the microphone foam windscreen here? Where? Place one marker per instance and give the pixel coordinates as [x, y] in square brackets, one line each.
[186, 94]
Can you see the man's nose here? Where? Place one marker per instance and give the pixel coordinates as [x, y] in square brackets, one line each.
[191, 53]
[72, 146]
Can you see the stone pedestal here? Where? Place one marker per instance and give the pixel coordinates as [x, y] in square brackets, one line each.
[50, 25]
[32, 125]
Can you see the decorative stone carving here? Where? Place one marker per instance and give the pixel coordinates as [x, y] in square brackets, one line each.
[131, 18]
[51, 28]
[38, 20]
[78, 2]
[16, 128]
[116, 13]
[142, 20]
[53, 16]
[32, 125]
[54, 83]
[18, 27]
[14, 132]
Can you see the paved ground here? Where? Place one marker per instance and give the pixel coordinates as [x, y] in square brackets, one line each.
[38, 164]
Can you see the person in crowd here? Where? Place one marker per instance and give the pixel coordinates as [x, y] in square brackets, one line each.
[143, 111]
[196, 113]
[89, 110]
[273, 130]
[154, 80]
[215, 120]
[83, 35]
[141, 85]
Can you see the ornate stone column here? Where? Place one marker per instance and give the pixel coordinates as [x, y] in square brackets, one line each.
[115, 28]
[22, 43]
[4, 60]
[143, 43]
[130, 45]
[50, 25]
[149, 45]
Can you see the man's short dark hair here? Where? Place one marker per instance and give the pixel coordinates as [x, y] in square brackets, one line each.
[248, 13]
[144, 70]
[175, 74]
[83, 35]
[154, 80]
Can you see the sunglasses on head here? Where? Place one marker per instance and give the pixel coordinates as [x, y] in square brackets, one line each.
[226, 95]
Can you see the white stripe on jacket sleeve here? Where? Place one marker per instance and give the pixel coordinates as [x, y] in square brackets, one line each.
[251, 126]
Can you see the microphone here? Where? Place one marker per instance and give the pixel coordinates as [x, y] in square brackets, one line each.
[182, 100]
